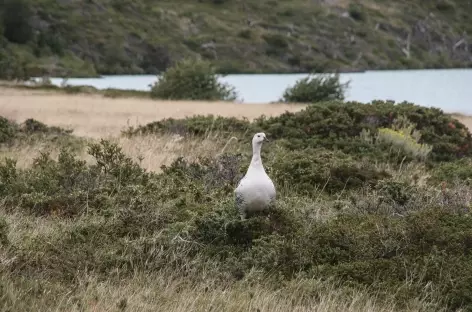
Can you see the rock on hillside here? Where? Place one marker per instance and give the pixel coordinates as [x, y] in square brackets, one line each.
[70, 37]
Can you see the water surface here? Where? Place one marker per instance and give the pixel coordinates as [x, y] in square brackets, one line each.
[448, 89]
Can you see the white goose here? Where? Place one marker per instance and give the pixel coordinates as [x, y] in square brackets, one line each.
[255, 191]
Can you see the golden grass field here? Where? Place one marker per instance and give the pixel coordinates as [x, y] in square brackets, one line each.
[97, 116]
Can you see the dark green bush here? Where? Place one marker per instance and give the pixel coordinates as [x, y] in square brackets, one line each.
[16, 19]
[397, 195]
[334, 124]
[3, 232]
[314, 170]
[456, 171]
[197, 125]
[316, 88]
[69, 187]
[12, 67]
[8, 130]
[356, 11]
[32, 126]
[445, 6]
[192, 80]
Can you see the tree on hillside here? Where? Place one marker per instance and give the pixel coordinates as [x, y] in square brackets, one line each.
[16, 16]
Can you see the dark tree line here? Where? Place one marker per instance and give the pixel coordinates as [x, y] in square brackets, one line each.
[16, 21]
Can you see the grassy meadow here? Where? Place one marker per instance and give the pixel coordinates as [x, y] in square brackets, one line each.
[126, 204]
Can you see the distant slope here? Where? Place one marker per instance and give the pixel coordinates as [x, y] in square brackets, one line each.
[82, 37]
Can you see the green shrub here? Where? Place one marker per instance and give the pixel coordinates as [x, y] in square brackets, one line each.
[451, 172]
[351, 127]
[3, 232]
[356, 11]
[335, 124]
[396, 194]
[401, 141]
[314, 170]
[8, 130]
[16, 18]
[32, 126]
[67, 186]
[31, 131]
[197, 125]
[192, 80]
[445, 6]
[317, 88]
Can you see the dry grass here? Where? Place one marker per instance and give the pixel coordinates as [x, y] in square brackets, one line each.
[95, 117]
[162, 293]
[165, 291]
[143, 294]
[98, 117]
[150, 151]
[466, 120]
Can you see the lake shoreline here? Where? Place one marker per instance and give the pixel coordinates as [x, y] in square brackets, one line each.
[446, 89]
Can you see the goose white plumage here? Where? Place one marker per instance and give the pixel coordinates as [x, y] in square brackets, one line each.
[255, 191]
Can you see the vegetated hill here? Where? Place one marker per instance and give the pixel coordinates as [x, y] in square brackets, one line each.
[71, 37]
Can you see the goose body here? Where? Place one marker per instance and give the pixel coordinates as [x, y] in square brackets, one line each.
[255, 191]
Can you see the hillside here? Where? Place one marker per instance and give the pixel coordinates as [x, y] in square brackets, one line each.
[79, 38]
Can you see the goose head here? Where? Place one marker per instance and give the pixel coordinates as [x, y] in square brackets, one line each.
[258, 138]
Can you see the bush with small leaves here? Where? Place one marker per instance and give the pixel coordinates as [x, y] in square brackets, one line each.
[196, 125]
[452, 172]
[67, 186]
[357, 12]
[30, 129]
[192, 80]
[3, 232]
[8, 130]
[347, 126]
[316, 88]
[334, 124]
[316, 170]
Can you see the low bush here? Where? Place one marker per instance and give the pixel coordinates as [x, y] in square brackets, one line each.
[315, 170]
[342, 126]
[192, 80]
[8, 130]
[12, 67]
[197, 125]
[3, 232]
[452, 172]
[11, 131]
[334, 124]
[318, 88]
[67, 186]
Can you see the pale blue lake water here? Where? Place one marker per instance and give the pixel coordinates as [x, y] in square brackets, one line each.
[449, 89]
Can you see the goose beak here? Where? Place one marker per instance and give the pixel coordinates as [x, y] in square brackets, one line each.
[266, 139]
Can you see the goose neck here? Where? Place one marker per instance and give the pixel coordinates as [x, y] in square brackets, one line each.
[256, 155]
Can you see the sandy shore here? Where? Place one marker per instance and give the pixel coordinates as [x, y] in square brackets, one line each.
[97, 116]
